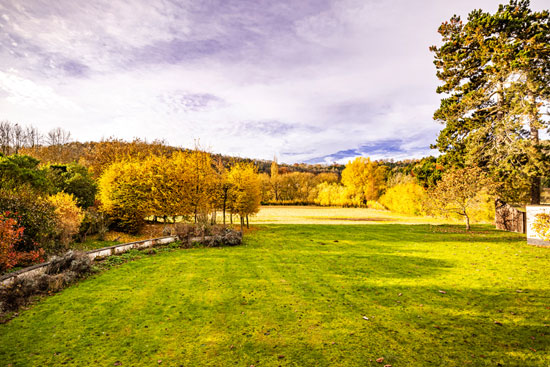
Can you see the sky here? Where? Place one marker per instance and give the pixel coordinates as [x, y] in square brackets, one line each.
[306, 81]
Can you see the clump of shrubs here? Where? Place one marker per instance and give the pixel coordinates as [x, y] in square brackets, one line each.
[208, 236]
[60, 272]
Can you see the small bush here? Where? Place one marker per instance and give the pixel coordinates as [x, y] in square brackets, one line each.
[151, 251]
[11, 233]
[68, 216]
[175, 244]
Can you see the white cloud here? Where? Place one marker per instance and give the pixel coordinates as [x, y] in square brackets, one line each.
[332, 80]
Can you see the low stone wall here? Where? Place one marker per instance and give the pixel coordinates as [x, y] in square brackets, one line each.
[101, 253]
[532, 237]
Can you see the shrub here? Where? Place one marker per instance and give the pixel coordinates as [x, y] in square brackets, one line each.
[542, 226]
[74, 179]
[35, 214]
[68, 215]
[10, 234]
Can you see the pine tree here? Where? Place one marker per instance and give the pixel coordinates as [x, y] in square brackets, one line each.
[496, 73]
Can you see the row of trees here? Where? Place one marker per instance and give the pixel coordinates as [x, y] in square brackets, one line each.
[14, 137]
[43, 207]
[186, 184]
[361, 180]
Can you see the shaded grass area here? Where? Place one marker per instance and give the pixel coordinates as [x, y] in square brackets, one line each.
[305, 295]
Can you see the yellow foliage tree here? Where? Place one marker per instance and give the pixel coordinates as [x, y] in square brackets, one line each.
[406, 198]
[364, 180]
[245, 190]
[330, 194]
[124, 194]
[68, 216]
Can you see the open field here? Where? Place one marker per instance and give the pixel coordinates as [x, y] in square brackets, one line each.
[336, 215]
[304, 295]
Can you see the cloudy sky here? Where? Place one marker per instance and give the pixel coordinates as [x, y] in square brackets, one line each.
[307, 81]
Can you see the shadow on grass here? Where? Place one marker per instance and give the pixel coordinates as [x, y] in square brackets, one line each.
[384, 266]
[481, 327]
[399, 233]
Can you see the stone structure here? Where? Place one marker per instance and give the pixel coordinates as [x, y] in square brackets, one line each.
[38, 269]
[509, 218]
[532, 237]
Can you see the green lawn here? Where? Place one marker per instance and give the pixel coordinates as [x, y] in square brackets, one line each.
[305, 295]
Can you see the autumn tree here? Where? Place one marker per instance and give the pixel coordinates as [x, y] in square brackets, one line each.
[98, 156]
[14, 137]
[364, 180]
[406, 198]
[275, 180]
[267, 191]
[201, 179]
[460, 192]
[495, 70]
[331, 194]
[245, 190]
[68, 216]
[123, 194]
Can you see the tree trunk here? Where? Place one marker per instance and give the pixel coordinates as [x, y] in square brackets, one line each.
[231, 218]
[535, 190]
[224, 212]
[247, 226]
[534, 136]
[467, 221]
[242, 224]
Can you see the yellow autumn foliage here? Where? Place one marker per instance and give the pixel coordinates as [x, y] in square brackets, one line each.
[68, 215]
[406, 198]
